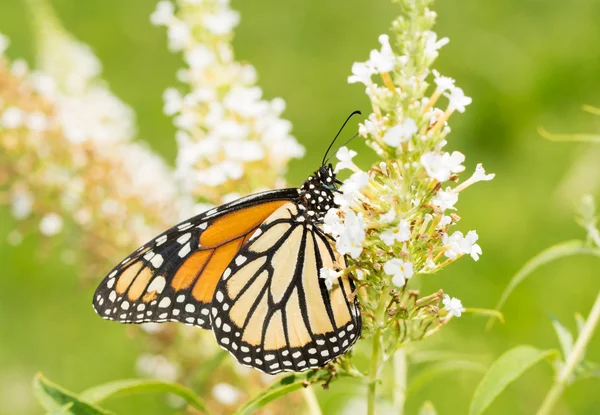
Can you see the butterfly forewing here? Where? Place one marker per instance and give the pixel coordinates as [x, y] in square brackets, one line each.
[173, 277]
[272, 311]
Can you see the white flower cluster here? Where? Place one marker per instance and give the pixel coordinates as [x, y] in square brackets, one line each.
[396, 215]
[64, 115]
[224, 127]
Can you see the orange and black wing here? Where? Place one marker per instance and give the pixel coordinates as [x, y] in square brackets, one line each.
[271, 310]
[173, 277]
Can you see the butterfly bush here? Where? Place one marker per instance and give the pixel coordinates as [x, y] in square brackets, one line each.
[68, 159]
[231, 141]
[399, 218]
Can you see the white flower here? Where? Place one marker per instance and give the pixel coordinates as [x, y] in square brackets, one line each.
[51, 224]
[12, 117]
[222, 22]
[443, 83]
[480, 176]
[4, 43]
[432, 45]
[400, 233]
[457, 244]
[244, 150]
[332, 223]
[19, 68]
[446, 220]
[157, 366]
[345, 157]
[441, 166]
[329, 277]
[173, 101]
[37, 121]
[385, 60]
[163, 13]
[355, 183]
[400, 133]
[388, 217]
[351, 238]
[21, 203]
[361, 72]
[453, 305]
[199, 57]
[445, 199]
[225, 393]
[400, 271]
[458, 100]
[179, 35]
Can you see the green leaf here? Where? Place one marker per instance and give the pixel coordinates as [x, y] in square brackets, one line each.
[590, 109]
[127, 387]
[63, 410]
[280, 388]
[426, 356]
[553, 253]
[437, 369]
[502, 372]
[565, 338]
[55, 399]
[427, 409]
[486, 312]
[582, 138]
[580, 320]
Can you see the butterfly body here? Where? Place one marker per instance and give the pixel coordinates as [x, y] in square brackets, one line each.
[249, 271]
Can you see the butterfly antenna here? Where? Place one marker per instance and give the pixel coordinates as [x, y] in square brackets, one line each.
[337, 135]
[347, 141]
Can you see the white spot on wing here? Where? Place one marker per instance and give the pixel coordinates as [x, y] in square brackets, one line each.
[165, 302]
[157, 260]
[184, 238]
[157, 284]
[185, 250]
[240, 260]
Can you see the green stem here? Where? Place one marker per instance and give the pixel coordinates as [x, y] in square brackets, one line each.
[311, 401]
[572, 360]
[375, 353]
[400, 375]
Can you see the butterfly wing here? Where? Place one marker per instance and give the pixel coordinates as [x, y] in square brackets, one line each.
[272, 311]
[173, 277]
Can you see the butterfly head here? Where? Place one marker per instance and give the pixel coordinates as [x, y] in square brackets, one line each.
[317, 192]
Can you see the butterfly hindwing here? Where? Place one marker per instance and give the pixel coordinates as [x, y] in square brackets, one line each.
[173, 277]
[272, 311]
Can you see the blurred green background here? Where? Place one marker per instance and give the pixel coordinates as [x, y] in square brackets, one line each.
[525, 63]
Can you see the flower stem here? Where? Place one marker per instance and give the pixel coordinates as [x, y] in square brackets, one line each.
[572, 359]
[400, 374]
[311, 401]
[375, 353]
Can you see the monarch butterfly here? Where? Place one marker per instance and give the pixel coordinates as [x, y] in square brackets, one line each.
[249, 271]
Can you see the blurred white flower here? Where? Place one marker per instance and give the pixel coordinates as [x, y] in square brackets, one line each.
[399, 270]
[400, 133]
[12, 117]
[4, 43]
[225, 393]
[163, 13]
[157, 367]
[222, 22]
[453, 305]
[51, 224]
[21, 202]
